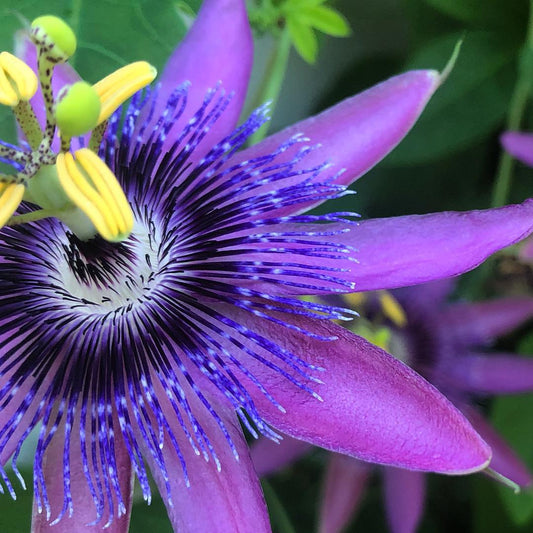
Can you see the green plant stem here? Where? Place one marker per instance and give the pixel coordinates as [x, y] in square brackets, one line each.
[502, 184]
[273, 80]
[32, 216]
[280, 519]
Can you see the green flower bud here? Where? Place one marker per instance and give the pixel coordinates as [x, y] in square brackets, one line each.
[77, 109]
[56, 31]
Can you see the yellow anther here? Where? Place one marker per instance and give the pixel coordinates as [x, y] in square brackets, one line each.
[392, 309]
[355, 299]
[17, 80]
[94, 189]
[116, 88]
[10, 197]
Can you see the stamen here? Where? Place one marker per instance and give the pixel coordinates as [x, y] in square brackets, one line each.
[392, 309]
[92, 187]
[116, 88]
[355, 299]
[17, 80]
[10, 197]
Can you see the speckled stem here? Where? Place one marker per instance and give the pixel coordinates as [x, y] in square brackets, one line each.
[28, 123]
[97, 136]
[13, 154]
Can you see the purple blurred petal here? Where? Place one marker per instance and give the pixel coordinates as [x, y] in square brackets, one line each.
[225, 501]
[356, 133]
[346, 479]
[374, 407]
[519, 145]
[270, 457]
[526, 250]
[83, 504]
[404, 499]
[496, 373]
[428, 296]
[480, 323]
[217, 48]
[504, 459]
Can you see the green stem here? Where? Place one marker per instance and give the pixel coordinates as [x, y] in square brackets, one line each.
[273, 80]
[517, 107]
[280, 518]
[32, 216]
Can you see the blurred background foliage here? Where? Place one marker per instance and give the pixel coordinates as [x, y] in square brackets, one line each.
[448, 161]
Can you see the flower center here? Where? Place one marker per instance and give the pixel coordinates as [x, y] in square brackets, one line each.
[107, 276]
[77, 188]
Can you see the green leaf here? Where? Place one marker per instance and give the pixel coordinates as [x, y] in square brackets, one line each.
[304, 39]
[485, 13]
[151, 517]
[489, 515]
[110, 34]
[512, 418]
[471, 103]
[278, 515]
[15, 516]
[326, 20]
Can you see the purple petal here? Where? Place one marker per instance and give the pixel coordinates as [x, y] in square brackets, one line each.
[217, 48]
[519, 145]
[481, 323]
[356, 133]
[14, 408]
[409, 250]
[504, 459]
[373, 406]
[386, 253]
[404, 499]
[270, 457]
[345, 482]
[493, 374]
[428, 296]
[83, 503]
[225, 501]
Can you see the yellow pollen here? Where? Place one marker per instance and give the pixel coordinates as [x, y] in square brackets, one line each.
[392, 309]
[17, 80]
[355, 299]
[10, 197]
[116, 88]
[93, 188]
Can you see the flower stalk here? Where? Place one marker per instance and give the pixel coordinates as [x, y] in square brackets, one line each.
[273, 80]
[517, 106]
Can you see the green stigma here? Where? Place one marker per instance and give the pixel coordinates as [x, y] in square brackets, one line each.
[77, 109]
[58, 32]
